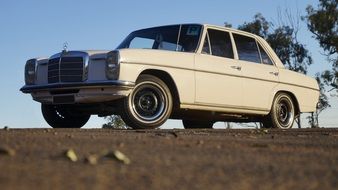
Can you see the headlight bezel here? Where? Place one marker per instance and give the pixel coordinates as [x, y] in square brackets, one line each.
[30, 71]
[112, 65]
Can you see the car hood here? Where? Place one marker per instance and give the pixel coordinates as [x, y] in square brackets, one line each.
[93, 54]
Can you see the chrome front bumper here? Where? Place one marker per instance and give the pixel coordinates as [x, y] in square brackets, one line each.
[79, 92]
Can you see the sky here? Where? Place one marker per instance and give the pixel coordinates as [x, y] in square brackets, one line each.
[39, 28]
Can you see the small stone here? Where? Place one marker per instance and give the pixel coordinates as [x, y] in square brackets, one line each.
[7, 151]
[70, 136]
[55, 133]
[92, 159]
[121, 145]
[71, 155]
[47, 130]
[119, 156]
[200, 142]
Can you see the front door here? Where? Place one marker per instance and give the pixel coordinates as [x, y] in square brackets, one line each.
[217, 73]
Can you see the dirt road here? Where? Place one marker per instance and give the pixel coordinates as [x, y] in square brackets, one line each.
[168, 159]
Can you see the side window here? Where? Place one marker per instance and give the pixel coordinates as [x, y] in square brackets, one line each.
[265, 58]
[247, 48]
[220, 43]
[144, 43]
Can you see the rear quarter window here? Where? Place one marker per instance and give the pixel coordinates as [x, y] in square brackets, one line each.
[247, 48]
[265, 58]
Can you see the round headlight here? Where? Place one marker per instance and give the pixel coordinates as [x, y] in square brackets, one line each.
[30, 71]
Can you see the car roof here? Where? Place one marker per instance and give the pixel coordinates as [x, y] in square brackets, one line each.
[223, 28]
[208, 26]
[229, 29]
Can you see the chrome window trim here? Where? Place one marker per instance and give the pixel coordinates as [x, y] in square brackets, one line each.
[259, 52]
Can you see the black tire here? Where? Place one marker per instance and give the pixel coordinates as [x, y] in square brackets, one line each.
[149, 105]
[59, 117]
[194, 124]
[282, 114]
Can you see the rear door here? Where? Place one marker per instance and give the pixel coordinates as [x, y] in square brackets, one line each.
[260, 75]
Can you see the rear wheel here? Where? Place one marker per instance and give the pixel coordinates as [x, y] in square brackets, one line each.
[61, 117]
[282, 114]
[195, 124]
[149, 105]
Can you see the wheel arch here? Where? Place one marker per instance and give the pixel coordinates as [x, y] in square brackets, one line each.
[169, 81]
[294, 99]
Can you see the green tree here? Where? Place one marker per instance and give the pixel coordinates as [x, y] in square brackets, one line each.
[323, 23]
[114, 121]
[258, 26]
[323, 104]
[283, 40]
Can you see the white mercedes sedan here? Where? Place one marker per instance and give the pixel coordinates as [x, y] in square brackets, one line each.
[198, 73]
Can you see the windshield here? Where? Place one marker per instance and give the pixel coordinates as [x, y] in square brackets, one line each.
[183, 38]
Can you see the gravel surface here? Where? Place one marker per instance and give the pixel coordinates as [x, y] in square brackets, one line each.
[168, 159]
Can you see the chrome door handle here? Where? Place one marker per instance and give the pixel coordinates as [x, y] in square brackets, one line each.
[274, 73]
[236, 67]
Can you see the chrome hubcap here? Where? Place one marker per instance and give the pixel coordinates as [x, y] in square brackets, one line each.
[148, 102]
[285, 113]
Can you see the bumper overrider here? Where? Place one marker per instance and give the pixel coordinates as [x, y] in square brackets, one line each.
[79, 92]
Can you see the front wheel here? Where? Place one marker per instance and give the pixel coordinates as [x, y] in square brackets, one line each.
[149, 105]
[61, 117]
[282, 114]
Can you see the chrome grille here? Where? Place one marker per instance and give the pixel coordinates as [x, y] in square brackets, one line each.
[69, 69]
